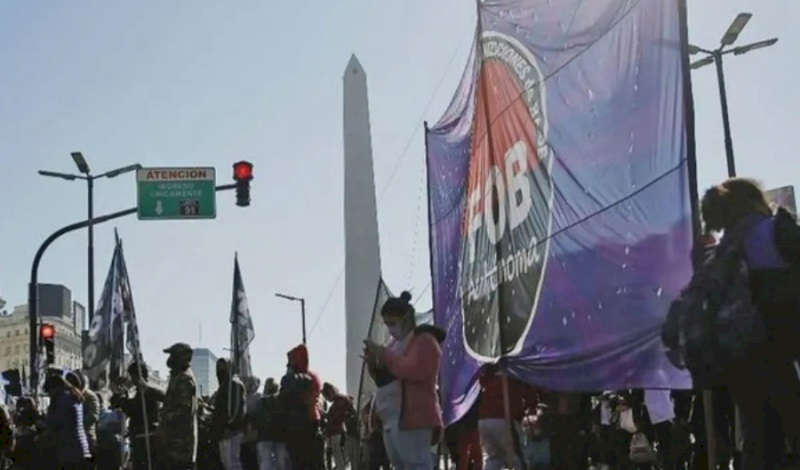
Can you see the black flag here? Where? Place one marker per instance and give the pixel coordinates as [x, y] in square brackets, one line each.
[115, 316]
[98, 350]
[242, 332]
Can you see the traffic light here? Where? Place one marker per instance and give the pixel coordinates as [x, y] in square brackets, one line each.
[243, 174]
[13, 383]
[47, 335]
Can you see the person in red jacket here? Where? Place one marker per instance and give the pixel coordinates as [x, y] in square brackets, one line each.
[470, 453]
[406, 372]
[299, 394]
[501, 442]
[341, 409]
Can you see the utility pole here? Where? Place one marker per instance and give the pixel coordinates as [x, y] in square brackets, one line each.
[86, 175]
[302, 310]
[33, 285]
[715, 56]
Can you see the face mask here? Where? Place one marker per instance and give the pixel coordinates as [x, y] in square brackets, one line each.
[397, 332]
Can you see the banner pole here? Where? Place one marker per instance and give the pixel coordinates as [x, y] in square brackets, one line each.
[694, 198]
[357, 465]
[137, 353]
[482, 78]
[430, 265]
[235, 338]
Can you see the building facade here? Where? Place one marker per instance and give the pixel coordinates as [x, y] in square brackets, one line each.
[204, 366]
[58, 310]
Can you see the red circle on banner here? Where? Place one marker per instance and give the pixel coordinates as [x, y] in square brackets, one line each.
[502, 97]
[507, 220]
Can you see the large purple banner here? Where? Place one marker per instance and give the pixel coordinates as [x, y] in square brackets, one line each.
[559, 198]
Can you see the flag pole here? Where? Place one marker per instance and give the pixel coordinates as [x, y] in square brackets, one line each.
[234, 336]
[137, 355]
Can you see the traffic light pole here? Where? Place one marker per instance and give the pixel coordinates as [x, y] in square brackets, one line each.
[33, 285]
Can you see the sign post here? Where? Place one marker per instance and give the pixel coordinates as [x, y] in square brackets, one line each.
[782, 197]
[176, 193]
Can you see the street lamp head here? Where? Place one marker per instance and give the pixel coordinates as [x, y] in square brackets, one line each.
[80, 162]
[702, 62]
[735, 29]
[288, 297]
[692, 49]
[55, 174]
[123, 170]
[751, 47]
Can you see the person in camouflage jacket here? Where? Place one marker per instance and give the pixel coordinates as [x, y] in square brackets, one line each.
[178, 428]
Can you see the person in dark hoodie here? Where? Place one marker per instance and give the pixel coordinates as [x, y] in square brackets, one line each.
[228, 419]
[270, 424]
[64, 423]
[767, 382]
[299, 393]
[142, 451]
[407, 403]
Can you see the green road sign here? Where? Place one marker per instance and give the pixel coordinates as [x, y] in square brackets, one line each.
[176, 193]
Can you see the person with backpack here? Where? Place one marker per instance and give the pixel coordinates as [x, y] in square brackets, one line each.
[737, 322]
[406, 371]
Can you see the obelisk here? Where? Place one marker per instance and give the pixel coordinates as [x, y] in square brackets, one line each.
[362, 246]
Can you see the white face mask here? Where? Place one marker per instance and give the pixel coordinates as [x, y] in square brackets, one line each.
[397, 332]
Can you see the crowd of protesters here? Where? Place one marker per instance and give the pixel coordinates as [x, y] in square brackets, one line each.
[299, 422]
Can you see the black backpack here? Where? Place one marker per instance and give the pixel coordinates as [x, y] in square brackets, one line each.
[714, 325]
[293, 398]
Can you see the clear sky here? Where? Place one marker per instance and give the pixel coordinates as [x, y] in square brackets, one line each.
[208, 83]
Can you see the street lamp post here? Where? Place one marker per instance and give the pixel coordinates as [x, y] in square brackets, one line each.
[86, 175]
[302, 309]
[715, 56]
[33, 295]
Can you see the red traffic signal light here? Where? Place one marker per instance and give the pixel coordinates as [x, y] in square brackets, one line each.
[243, 171]
[46, 331]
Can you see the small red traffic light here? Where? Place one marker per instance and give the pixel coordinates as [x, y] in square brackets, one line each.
[242, 171]
[47, 331]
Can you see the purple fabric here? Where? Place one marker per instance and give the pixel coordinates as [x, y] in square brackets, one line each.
[759, 243]
[588, 143]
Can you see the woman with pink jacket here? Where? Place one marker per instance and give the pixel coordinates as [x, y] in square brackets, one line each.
[406, 372]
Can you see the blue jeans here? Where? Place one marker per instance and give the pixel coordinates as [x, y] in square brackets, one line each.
[408, 450]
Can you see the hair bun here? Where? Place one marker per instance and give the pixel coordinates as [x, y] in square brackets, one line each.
[405, 296]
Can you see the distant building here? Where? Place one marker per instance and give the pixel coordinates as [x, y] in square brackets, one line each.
[56, 308]
[78, 317]
[55, 300]
[204, 366]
